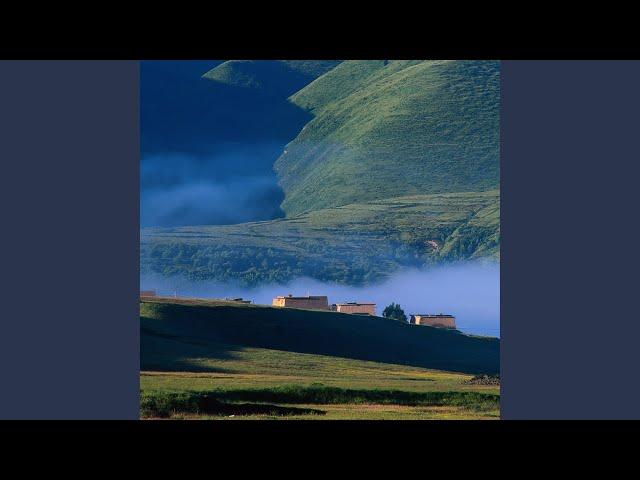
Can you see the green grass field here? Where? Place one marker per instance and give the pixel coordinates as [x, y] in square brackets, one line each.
[209, 359]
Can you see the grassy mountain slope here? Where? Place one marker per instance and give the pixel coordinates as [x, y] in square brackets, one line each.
[395, 164]
[383, 129]
[279, 77]
[203, 331]
[353, 244]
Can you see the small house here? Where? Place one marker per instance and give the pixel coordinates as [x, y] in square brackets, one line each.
[318, 302]
[356, 307]
[440, 320]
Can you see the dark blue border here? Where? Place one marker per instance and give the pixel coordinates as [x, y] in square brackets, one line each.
[69, 340]
[569, 266]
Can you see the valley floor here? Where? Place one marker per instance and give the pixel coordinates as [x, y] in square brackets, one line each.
[271, 384]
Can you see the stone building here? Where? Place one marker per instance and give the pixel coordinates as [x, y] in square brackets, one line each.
[318, 302]
[356, 307]
[440, 320]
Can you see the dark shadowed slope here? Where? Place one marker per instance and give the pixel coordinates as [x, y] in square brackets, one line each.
[209, 143]
[199, 106]
[307, 331]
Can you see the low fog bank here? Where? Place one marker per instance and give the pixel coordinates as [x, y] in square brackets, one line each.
[208, 148]
[203, 202]
[184, 189]
[470, 292]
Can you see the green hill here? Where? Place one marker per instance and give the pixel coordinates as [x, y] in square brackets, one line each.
[219, 360]
[176, 333]
[352, 244]
[278, 77]
[395, 164]
[383, 129]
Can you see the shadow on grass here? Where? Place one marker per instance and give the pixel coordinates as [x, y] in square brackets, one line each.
[161, 352]
[323, 395]
[226, 402]
[315, 332]
[165, 404]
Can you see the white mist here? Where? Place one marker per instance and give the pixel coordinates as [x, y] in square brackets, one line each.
[470, 292]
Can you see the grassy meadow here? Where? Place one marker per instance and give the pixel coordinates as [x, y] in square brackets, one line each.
[197, 362]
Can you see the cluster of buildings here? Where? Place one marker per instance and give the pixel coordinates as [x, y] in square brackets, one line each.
[321, 302]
